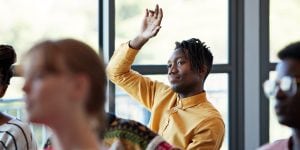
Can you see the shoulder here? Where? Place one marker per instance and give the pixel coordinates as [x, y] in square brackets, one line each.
[207, 112]
[13, 126]
[18, 126]
[16, 133]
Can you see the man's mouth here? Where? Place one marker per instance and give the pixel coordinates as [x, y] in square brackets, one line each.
[174, 78]
[280, 109]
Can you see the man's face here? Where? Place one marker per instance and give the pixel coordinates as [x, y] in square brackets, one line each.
[287, 106]
[182, 78]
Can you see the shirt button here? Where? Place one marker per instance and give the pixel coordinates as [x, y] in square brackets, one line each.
[174, 110]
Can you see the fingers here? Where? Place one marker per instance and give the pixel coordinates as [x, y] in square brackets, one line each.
[157, 13]
[160, 15]
[147, 13]
[156, 10]
[151, 13]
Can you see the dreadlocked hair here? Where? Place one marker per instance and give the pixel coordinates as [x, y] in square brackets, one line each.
[198, 54]
[7, 58]
[291, 51]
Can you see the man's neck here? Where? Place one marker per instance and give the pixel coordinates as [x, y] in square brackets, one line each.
[185, 95]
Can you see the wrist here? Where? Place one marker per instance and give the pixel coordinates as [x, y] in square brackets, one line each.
[138, 42]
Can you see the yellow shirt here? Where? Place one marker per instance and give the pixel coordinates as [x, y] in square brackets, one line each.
[189, 123]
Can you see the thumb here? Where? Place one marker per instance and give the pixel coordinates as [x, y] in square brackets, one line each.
[156, 30]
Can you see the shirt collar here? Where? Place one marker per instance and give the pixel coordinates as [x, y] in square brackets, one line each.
[191, 101]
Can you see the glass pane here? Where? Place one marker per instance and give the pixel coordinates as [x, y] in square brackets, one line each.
[216, 87]
[217, 93]
[284, 25]
[182, 20]
[14, 90]
[276, 130]
[26, 22]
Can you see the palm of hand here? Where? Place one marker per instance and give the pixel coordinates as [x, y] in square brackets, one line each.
[151, 22]
[150, 26]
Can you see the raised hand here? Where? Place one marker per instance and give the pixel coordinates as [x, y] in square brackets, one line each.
[150, 27]
[151, 22]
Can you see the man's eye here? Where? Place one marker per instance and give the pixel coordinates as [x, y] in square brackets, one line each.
[180, 62]
[169, 65]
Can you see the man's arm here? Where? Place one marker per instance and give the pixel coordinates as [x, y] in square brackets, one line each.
[208, 136]
[119, 68]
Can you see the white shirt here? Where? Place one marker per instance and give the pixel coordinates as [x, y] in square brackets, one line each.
[16, 135]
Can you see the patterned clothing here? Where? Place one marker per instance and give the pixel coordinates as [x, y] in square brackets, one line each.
[188, 123]
[48, 144]
[123, 134]
[16, 135]
[131, 135]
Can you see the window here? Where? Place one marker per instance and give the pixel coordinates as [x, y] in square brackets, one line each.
[284, 24]
[27, 22]
[207, 25]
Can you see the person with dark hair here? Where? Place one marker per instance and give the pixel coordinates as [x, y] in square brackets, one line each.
[198, 53]
[14, 134]
[181, 113]
[286, 92]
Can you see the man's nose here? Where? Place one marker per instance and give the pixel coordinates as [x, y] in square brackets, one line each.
[173, 69]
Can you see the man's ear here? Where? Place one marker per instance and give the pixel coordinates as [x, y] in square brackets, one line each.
[3, 89]
[203, 70]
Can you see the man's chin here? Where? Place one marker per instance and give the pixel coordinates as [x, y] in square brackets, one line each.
[175, 88]
[285, 121]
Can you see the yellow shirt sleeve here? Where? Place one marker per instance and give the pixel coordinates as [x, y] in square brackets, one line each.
[119, 72]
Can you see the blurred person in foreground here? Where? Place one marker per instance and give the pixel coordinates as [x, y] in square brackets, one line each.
[14, 134]
[65, 85]
[64, 89]
[286, 91]
[181, 113]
